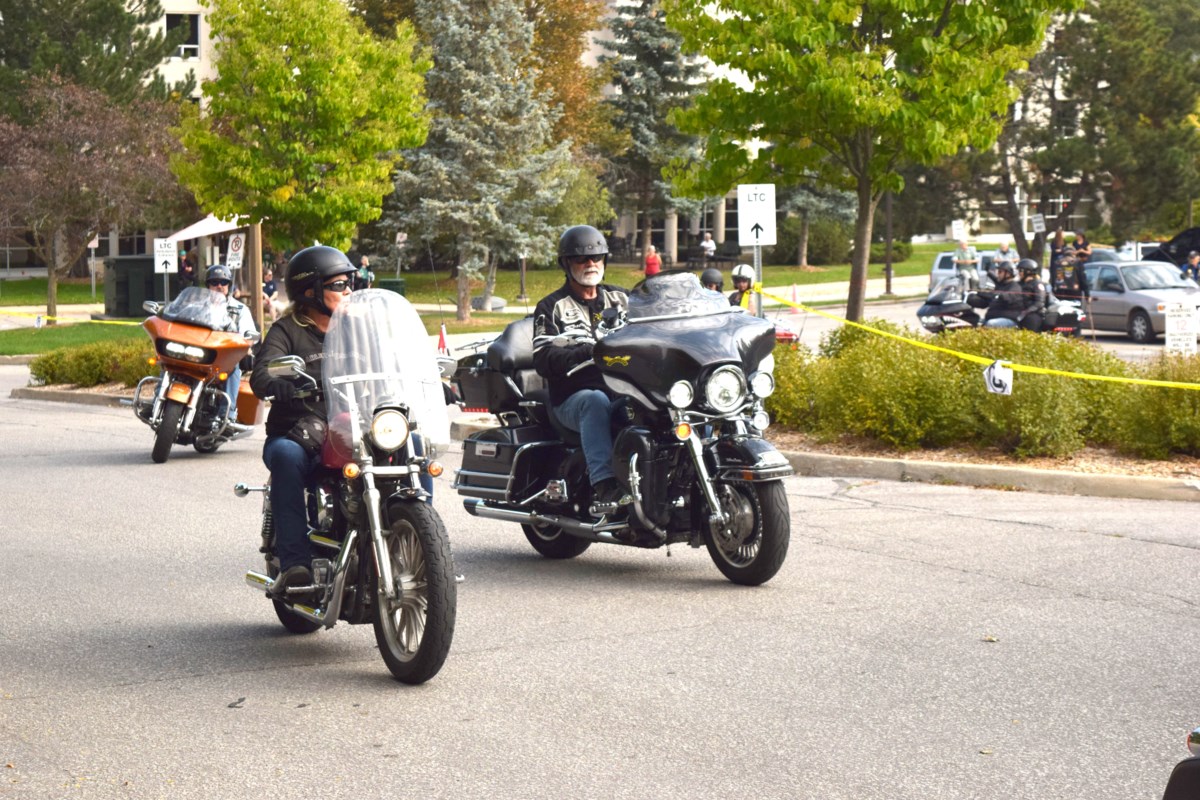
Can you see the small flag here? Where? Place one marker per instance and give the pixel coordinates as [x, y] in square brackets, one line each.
[443, 349]
[795, 300]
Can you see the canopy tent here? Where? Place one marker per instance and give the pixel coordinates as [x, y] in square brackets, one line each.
[209, 226]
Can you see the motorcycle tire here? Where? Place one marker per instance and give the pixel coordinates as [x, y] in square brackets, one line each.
[761, 532]
[168, 430]
[415, 630]
[551, 542]
[205, 448]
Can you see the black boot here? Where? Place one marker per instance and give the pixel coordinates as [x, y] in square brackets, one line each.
[298, 575]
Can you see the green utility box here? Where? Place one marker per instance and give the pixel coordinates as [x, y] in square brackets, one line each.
[129, 281]
[391, 284]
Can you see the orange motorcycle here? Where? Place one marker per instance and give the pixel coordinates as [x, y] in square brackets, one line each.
[196, 347]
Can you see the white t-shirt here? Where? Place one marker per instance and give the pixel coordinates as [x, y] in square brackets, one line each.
[709, 247]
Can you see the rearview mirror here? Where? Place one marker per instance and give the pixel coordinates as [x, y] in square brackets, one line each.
[151, 306]
[285, 367]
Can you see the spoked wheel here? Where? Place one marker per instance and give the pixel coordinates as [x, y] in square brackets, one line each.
[551, 542]
[415, 628]
[168, 429]
[754, 547]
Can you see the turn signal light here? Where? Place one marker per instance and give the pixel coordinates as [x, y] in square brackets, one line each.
[152, 360]
[351, 470]
[223, 376]
[683, 431]
[435, 468]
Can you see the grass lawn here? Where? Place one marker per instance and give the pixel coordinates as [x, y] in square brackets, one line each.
[426, 287]
[32, 292]
[34, 341]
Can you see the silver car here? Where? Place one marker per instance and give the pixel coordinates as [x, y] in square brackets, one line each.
[1133, 296]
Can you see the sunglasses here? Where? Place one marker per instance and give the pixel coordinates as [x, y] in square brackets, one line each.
[579, 261]
[337, 286]
[219, 283]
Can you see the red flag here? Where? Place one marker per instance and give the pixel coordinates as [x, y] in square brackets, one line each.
[442, 347]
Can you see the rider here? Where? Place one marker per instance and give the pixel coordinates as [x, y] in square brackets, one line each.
[743, 277]
[1005, 302]
[711, 279]
[564, 331]
[318, 279]
[219, 279]
[1034, 312]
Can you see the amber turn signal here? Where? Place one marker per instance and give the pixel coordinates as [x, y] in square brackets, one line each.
[351, 470]
[435, 468]
[683, 431]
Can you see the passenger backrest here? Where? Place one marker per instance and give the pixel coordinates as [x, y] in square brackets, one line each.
[512, 354]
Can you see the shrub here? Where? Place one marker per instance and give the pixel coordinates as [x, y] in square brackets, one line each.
[900, 252]
[1155, 421]
[94, 364]
[828, 242]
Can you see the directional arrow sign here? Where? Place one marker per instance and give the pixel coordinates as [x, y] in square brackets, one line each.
[756, 214]
[165, 258]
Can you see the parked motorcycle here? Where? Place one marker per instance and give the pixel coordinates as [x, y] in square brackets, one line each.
[694, 372]
[196, 347]
[950, 306]
[1184, 783]
[388, 554]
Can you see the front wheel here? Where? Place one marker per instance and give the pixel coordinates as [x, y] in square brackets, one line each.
[168, 430]
[551, 542]
[415, 628]
[754, 547]
[1140, 329]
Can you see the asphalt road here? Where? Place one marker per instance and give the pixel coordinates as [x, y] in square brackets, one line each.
[921, 642]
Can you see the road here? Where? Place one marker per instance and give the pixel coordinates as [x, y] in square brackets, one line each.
[921, 642]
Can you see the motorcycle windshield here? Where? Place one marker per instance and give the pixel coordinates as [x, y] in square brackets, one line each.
[376, 353]
[675, 294]
[202, 307]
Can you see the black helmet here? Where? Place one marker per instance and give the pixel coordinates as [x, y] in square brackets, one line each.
[310, 268]
[581, 240]
[711, 278]
[1028, 265]
[218, 272]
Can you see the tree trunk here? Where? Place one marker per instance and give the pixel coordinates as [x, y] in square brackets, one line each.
[862, 250]
[463, 285]
[645, 233]
[489, 282]
[802, 250]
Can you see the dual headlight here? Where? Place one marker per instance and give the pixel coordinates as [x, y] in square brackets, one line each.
[186, 352]
[389, 429]
[724, 391]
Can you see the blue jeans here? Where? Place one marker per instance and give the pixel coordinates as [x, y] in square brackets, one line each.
[1000, 322]
[231, 389]
[588, 412]
[292, 471]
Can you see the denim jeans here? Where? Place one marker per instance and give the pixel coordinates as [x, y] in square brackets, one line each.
[231, 389]
[588, 412]
[1000, 322]
[292, 471]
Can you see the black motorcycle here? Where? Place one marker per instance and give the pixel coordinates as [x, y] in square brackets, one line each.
[951, 306]
[1184, 783]
[688, 447]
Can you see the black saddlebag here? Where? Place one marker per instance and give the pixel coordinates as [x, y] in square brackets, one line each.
[504, 377]
[509, 464]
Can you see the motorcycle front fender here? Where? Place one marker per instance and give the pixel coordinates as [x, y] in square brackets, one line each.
[180, 392]
[748, 458]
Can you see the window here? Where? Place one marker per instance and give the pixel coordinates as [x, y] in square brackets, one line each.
[191, 42]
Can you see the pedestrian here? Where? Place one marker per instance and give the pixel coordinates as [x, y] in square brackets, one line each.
[363, 277]
[1004, 255]
[966, 261]
[1083, 248]
[708, 246]
[1192, 265]
[270, 295]
[652, 263]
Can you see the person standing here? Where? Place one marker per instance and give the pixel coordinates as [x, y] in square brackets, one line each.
[1192, 265]
[1004, 255]
[653, 264]
[708, 246]
[1083, 248]
[270, 294]
[966, 261]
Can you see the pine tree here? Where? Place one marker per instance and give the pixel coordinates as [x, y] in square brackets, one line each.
[489, 172]
[652, 78]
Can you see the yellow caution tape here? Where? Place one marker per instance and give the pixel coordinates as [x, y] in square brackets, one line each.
[4, 313]
[978, 359]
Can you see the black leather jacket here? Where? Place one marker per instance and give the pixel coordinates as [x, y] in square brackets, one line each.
[1006, 301]
[290, 336]
[554, 355]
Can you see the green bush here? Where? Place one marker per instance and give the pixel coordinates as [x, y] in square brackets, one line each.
[1156, 421]
[901, 251]
[94, 364]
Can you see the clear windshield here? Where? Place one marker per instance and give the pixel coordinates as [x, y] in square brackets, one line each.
[675, 294]
[199, 306]
[377, 351]
[1154, 276]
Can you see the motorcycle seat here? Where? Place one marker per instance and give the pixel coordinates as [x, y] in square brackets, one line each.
[512, 354]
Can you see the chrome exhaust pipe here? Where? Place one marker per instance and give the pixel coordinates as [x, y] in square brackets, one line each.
[257, 580]
[599, 532]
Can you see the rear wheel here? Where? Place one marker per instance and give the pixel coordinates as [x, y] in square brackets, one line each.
[754, 547]
[168, 430]
[1139, 328]
[551, 542]
[414, 630]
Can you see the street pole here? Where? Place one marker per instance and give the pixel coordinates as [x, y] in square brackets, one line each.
[254, 267]
[887, 262]
[758, 276]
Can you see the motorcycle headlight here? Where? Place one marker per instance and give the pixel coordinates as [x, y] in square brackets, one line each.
[726, 389]
[186, 352]
[681, 395]
[389, 429]
[762, 384]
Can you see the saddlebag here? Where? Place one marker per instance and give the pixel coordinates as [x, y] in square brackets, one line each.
[509, 464]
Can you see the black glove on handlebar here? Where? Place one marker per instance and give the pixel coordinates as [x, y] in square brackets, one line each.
[283, 391]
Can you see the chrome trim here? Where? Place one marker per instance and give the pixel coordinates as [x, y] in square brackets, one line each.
[635, 480]
[697, 453]
[600, 532]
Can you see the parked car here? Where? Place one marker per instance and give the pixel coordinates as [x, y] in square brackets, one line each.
[1176, 250]
[943, 266]
[1133, 296]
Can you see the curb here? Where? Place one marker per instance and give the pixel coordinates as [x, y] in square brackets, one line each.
[17, 360]
[995, 477]
[64, 396]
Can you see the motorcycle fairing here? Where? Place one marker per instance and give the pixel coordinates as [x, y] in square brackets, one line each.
[1184, 783]
[750, 459]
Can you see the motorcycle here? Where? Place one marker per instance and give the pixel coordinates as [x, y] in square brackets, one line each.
[1184, 783]
[388, 554]
[693, 372]
[951, 306]
[196, 347]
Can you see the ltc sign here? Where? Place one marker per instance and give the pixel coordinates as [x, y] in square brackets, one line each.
[756, 214]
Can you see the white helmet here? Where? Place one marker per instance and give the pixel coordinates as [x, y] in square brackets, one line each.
[744, 271]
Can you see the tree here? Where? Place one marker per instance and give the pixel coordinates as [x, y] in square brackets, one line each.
[489, 174]
[83, 164]
[850, 90]
[306, 120]
[102, 44]
[652, 78]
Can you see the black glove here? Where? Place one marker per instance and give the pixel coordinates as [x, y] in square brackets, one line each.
[582, 352]
[283, 391]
